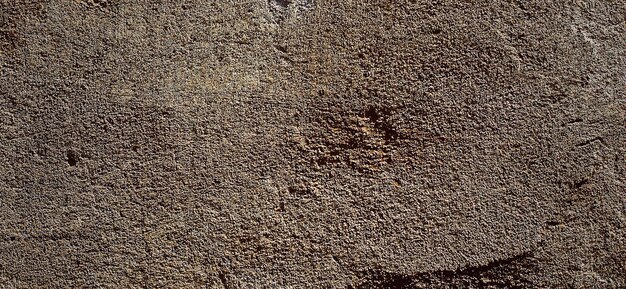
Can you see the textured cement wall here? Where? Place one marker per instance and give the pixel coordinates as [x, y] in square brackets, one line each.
[312, 144]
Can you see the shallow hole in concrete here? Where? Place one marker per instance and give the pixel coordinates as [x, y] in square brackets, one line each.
[281, 3]
[72, 158]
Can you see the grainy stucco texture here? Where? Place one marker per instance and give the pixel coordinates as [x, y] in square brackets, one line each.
[312, 144]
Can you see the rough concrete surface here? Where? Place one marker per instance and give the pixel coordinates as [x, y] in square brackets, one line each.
[312, 144]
